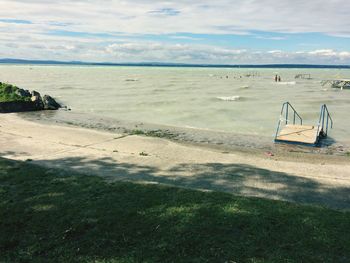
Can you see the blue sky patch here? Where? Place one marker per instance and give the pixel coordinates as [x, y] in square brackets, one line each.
[165, 12]
[15, 21]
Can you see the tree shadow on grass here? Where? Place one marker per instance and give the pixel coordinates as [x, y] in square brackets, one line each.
[240, 179]
[49, 215]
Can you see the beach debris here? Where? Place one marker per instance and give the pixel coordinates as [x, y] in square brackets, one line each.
[66, 108]
[143, 154]
[270, 154]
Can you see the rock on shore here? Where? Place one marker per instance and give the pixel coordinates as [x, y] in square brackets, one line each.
[14, 99]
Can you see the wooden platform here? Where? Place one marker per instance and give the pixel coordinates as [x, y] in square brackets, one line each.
[302, 134]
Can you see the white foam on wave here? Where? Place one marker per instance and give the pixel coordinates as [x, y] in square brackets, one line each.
[287, 83]
[229, 98]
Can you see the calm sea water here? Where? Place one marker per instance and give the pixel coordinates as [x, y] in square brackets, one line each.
[206, 98]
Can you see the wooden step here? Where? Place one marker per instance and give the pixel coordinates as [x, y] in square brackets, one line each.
[304, 134]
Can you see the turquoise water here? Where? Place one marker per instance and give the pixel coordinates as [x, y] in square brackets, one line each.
[205, 98]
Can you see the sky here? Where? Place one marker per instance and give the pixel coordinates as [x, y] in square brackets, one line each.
[203, 31]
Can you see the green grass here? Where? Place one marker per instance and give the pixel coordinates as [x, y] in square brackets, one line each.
[137, 132]
[54, 216]
[8, 93]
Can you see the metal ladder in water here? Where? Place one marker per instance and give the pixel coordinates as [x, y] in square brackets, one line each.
[290, 132]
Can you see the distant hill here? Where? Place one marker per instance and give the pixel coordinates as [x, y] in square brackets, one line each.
[160, 64]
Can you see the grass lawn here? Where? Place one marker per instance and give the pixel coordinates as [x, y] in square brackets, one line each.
[54, 216]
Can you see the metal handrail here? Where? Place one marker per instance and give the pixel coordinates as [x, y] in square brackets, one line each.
[295, 114]
[324, 110]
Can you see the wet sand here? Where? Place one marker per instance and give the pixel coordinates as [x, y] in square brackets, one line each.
[226, 141]
[280, 173]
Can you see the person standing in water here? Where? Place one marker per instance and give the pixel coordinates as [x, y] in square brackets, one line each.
[279, 78]
[276, 78]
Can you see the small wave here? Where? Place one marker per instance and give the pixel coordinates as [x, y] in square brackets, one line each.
[66, 87]
[287, 83]
[229, 98]
[244, 87]
[157, 103]
[159, 90]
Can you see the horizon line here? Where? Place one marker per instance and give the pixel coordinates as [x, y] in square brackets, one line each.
[165, 64]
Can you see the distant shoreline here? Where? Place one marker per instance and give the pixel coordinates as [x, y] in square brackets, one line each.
[159, 64]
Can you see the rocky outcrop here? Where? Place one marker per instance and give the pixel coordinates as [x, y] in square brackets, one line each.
[50, 103]
[17, 106]
[17, 100]
[36, 98]
[35, 94]
[23, 93]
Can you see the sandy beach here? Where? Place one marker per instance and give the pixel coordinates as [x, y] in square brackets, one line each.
[298, 177]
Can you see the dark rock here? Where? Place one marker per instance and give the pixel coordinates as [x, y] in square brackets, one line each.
[36, 98]
[18, 106]
[25, 100]
[23, 93]
[35, 94]
[50, 103]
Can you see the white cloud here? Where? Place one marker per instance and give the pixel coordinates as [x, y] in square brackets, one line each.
[176, 53]
[344, 55]
[151, 51]
[137, 52]
[323, 52]
[109, 28]
[330, 53]
[274, 51]
[205, 16]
